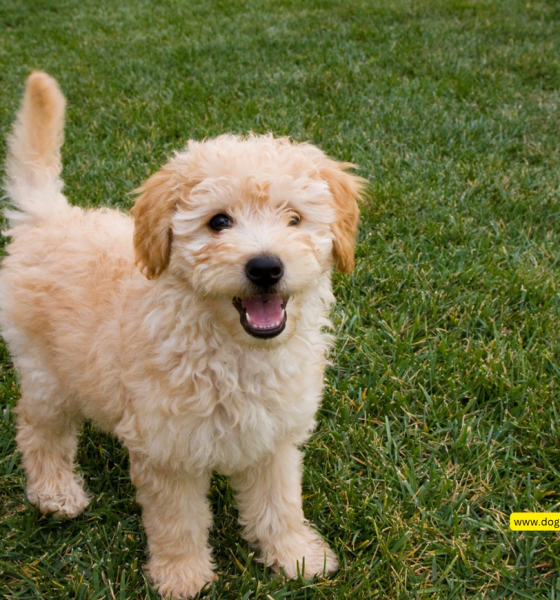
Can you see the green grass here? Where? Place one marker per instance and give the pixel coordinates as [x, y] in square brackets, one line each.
[440, 414]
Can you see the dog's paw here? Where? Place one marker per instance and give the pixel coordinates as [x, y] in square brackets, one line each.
[68, 501]
[304, 554]
[180, 579]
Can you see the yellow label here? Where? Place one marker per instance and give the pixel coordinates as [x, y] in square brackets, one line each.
[535, 521]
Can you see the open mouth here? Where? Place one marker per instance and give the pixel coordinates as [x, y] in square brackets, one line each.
[262, 316]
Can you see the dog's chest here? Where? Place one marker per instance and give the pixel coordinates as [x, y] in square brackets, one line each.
[239, 408]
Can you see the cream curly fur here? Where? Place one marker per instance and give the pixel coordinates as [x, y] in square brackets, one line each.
[131, 323]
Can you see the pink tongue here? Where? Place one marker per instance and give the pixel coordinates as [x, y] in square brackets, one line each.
[263, 311]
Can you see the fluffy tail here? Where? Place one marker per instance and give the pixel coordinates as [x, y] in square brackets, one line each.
[33, 166]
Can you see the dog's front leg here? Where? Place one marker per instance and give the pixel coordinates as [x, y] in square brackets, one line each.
[269, 496]
[177, 518]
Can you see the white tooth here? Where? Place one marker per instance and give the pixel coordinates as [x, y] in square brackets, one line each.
[283, 313]
[248, 318]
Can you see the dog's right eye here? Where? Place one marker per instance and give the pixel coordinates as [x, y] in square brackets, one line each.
[219, 222]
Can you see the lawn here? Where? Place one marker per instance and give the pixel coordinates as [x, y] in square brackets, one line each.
[440, 414]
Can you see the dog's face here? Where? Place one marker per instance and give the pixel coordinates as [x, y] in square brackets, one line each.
[252, 225]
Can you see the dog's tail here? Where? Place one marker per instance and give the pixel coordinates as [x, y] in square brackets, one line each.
[33, 165]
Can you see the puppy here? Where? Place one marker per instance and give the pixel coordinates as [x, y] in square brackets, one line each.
[194, 331]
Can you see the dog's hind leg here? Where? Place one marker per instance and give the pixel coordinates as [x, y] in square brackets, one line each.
[47, 438]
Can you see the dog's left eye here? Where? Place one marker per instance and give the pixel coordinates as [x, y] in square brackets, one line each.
[219, 222]
[294, 219]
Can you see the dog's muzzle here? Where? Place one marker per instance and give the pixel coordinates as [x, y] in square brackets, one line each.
[263, 315]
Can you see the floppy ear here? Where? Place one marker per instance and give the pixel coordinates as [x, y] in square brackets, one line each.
[152, 214]
[346, 190]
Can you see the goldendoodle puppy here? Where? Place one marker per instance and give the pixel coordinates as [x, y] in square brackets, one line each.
[194, 332]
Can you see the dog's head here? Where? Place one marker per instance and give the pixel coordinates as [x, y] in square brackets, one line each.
[252, 224]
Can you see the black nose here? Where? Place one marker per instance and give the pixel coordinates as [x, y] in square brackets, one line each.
[264, 271]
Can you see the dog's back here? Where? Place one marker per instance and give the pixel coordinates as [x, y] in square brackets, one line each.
[65, 266]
